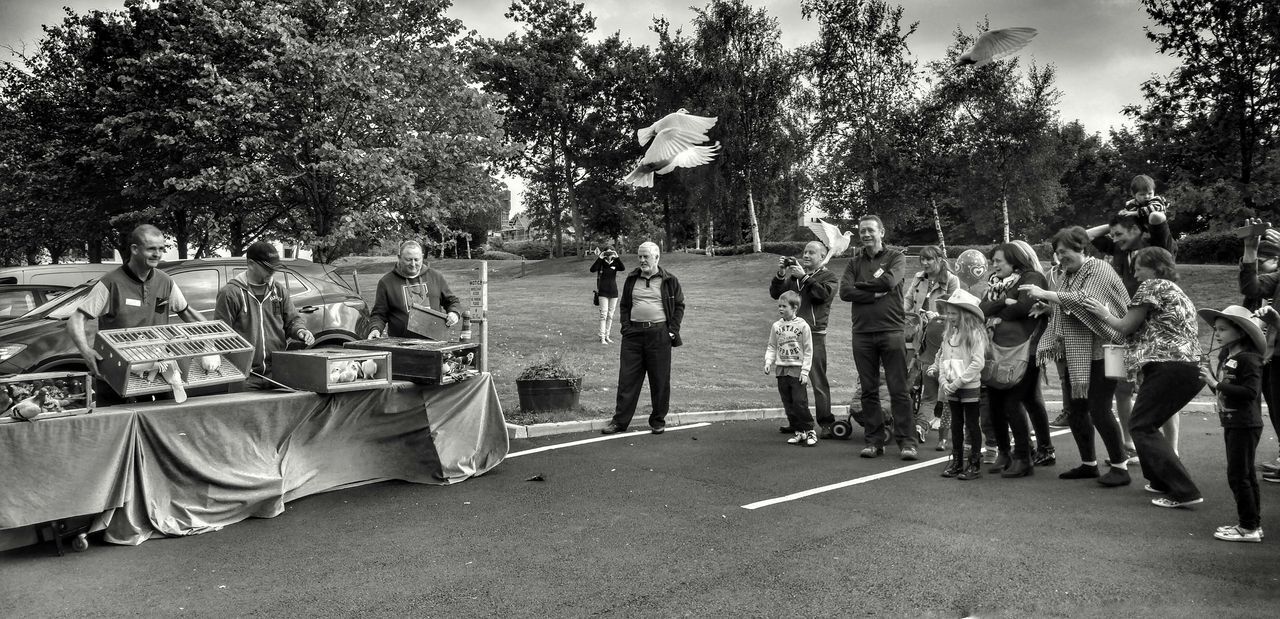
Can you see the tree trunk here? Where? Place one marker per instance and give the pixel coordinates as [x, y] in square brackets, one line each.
[180, 232]
[937, 225]
[95, 251]
[235, 238]
[751, 213]
[711, 237]
[666, 217]
[1004, 213]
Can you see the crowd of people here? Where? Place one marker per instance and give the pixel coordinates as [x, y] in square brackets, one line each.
[970, 364]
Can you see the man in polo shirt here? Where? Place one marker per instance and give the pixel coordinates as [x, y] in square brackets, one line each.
[816, 286]
[652, 307]
[258, 307]
[872, 282]
[410, 282]
[135, 295]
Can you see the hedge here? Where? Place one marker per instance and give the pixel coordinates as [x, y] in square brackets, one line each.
[1210, 248]
[499, 255]
[532, 250]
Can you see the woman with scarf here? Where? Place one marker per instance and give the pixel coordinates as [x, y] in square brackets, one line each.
[1075, 337]
[924, 335]
[1015, 334]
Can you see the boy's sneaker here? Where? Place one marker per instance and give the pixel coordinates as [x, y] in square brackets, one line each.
[798, 438]
[1167, 502]
[1061, 420]
[1237, 534]
[1271, 466]
[909, 454]
[1271, 477]
[871, 451]
[810, 438]
[1132, 454]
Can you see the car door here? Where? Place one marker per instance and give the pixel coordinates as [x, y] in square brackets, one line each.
[200, 286]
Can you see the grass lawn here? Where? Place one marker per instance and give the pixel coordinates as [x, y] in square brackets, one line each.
[727, 316]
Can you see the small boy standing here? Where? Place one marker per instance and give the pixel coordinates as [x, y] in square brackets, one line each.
[789, 356]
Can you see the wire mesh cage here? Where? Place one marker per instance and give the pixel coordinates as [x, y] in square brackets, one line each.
[205, 353]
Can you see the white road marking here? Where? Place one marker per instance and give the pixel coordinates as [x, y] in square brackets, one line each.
[859, 480]
[603, 438]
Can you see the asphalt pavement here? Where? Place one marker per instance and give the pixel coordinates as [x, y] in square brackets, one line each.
[644, 525]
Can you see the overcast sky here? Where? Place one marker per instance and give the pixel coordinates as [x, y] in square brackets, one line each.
[1098, 46]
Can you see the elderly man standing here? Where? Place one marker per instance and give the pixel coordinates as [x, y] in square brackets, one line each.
[259, 308]
[652, 308]
[412, 281]
[816, 286]
[873, 284]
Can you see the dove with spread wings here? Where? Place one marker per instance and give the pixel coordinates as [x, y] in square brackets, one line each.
[837, 242]
[675, 140]
[995, 44]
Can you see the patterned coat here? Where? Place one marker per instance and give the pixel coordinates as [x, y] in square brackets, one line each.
[1075, 334]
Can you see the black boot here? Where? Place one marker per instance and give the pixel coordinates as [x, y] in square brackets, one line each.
[973, 470]
[1018, 467]
[954, 467]
[1002, 462]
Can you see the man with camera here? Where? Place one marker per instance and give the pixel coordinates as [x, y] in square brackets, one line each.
[816, 286]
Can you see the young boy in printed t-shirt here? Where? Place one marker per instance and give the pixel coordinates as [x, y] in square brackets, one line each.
[789, 356]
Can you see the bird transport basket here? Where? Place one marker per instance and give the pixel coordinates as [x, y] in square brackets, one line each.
[206, 353]
[1113, 361]
[328, 370]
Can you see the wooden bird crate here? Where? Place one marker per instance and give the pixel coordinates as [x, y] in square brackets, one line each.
[129, 354]
[312, 370]
[427, 362]
[65, 394]
[428, 323]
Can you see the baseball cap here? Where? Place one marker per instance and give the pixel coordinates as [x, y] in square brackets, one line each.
[264, 253]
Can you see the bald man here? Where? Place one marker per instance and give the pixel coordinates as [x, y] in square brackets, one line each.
[652, 308]
[817, 287]
[412, 281]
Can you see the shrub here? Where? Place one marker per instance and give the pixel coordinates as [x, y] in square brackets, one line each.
[553, 365]
[495, 243]
[499, 255]
[1209, 248]
[532, 250]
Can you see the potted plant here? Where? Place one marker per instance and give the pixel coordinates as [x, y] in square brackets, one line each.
[553, 382]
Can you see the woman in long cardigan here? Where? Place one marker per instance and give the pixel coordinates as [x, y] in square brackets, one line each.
[1075, 337]
[1008, 313]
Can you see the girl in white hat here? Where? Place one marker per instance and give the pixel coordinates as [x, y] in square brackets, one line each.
[958, 367]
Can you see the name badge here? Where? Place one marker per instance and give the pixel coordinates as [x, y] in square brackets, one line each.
[878, 273]
[1231, 363]
[133, 302]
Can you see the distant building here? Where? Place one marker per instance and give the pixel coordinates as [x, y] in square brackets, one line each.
[810, 214]
[519, 228]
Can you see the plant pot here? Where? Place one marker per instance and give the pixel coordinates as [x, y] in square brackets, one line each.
[548, 394]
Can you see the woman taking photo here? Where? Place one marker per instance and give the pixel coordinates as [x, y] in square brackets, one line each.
[1015, 334]
[606, 268]
[924, 336]
[1074, 339]
[1164, 353]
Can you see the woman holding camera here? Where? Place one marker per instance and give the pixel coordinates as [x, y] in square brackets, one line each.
[606, 268]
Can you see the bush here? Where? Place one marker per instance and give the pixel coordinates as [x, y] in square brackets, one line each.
[782, 248]
[532, 250]
[495, 244]
[499, 255]
[1209, 248]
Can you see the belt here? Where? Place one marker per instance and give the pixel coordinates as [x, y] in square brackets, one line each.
[644, 324]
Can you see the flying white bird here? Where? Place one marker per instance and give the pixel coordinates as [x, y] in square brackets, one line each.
[680, 119]
[837, 242]
[995, 44]
[672, 148]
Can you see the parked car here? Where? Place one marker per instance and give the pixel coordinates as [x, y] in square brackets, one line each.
[68, 275]
[18, 299]
[38, 342]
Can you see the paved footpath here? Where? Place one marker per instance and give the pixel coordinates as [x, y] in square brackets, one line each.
[643, 525]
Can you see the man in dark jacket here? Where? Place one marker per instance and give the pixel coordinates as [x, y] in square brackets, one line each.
[259, 308]
[652, 308]
[873, 284]
[816, 286]
[412, 281]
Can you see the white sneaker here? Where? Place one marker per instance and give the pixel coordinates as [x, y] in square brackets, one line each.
[1167, 502]
[810, 438]
[1237, 534]
[1270, 466]
[1232, 527]
[797, 439]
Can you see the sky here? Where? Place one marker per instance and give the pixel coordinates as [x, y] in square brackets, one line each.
[1097, 46]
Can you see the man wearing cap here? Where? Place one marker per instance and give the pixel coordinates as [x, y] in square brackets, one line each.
[135, 295]
[412, 281]
[1256, 284]
[259, 308]
[816, 286]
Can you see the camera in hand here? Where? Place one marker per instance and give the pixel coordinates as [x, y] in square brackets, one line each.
[1251, 230]
[789, 261]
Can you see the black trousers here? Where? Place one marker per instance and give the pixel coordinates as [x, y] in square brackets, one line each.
[1271, 394]
[795, 401]
[646, 351]
[1242, 446]
[1094, 411]
[965, 429]
[1167, 386]
[869, 351]
[818, 380]
[1007, 413]
[1036, 410]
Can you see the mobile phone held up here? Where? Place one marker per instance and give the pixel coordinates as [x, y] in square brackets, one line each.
[1251, 230]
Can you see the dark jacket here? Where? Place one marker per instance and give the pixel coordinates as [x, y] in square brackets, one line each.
[1017, 325]
[267, 324]
[816, 291]
[672, 303]
[1255, 286]
[1157, 236]
[390, 313]
[869, 276]
[607, 276]
[1240, 390]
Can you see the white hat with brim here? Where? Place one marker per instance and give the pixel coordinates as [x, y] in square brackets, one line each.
[963, 301]
[1243, 319]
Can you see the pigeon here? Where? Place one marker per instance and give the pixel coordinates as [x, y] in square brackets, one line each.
[671, 148]
[680, 119]
[837, 242]
[995, 44]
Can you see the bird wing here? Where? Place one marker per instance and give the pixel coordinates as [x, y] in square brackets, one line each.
[698, 125]
[694, 156]
[669, 143]
[996, 43]
[639, 178]
[825, 232]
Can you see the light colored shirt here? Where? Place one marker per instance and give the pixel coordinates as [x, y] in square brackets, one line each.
[646, 299]
[122, 300]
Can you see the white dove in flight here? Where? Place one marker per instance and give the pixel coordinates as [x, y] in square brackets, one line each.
[837, 242]
[995, 44]
[680, 119]
[671, 148]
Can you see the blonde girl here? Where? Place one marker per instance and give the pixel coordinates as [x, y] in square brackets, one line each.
[958, 368]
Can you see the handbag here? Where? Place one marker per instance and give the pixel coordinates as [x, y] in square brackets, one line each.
[1006, 365]
[595, 297]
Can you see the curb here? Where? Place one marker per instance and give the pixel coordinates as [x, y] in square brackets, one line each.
[516, 432]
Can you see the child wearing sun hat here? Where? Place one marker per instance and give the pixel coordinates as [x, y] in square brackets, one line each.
[958, 368]
[1235, 377]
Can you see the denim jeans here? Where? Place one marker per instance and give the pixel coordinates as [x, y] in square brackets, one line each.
[1242, 446]
[795, 401]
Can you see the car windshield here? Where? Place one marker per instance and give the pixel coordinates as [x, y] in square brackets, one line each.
[61, 307]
